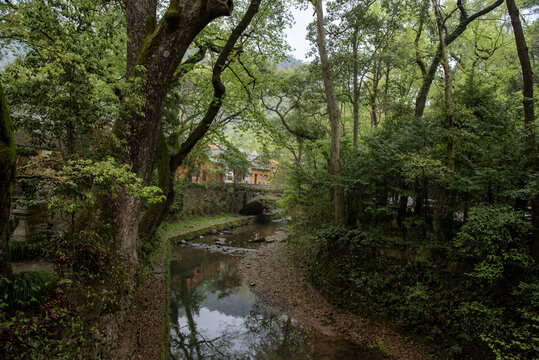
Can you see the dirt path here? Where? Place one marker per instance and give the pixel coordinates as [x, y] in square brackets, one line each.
[276, 280]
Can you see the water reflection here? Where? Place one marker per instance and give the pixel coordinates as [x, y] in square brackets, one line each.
[215, 316]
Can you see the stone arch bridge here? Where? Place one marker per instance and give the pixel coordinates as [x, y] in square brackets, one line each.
[214, 198]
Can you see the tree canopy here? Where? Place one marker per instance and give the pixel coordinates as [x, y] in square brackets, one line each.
[412, 131]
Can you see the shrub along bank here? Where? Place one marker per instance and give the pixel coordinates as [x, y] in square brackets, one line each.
[475, 297]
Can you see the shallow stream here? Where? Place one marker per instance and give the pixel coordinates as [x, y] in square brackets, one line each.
[214, 315]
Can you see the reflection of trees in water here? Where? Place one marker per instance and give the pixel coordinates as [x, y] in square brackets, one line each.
[190, 300]
[193, 345]
[273, 337]
[261, 335]
[187, 342]
[227, 282]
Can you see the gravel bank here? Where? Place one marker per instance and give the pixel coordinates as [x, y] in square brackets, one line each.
[278, 282]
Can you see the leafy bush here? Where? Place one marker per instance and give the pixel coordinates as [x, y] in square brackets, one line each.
[25, 288]
[25, 250]
[494, 238]
[446, 292]
[26, 150]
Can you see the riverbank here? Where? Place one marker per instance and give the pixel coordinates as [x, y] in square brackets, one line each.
[144, 334]
[202, 225]
[279, 283]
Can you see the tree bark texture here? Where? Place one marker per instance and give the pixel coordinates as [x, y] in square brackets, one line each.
[529, 116]
[167, 163]
[418, 59]
[374, 94]
[461, 27]
[158, 47]
[334, 117]
[8, 159]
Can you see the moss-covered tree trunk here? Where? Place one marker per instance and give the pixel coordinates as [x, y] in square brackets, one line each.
[8, 159]
[168, 163]
[155, 50]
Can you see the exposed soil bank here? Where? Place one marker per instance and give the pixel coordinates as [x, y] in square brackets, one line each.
[279, 283]
[141, 336]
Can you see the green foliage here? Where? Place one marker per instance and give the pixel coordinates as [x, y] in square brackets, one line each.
[64, 80]
[26, 150]
[25, 250]
[493, 238]
[382, 349]
[25, 289]
[435, 289]
[307, 197]
[84, 180]
[47, 327]
[37, 246]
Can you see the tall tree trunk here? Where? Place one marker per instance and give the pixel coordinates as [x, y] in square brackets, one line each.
[8, 158]
[450, 145]
[529, 116]
[374, 94]
[334, 117]
[355, 100]
[158, 47]
[423, 12]
[385, 106]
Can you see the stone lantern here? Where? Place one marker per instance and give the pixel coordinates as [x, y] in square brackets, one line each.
[22, 214]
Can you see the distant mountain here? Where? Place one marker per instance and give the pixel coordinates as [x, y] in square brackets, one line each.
[6, 59]
[290, 63]
[9, 54]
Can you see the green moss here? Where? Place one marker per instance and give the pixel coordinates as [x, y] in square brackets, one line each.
[8, 154]
[190, 222]
[163, 168]
[382, 349]
[163, 172]
[186, 234]
[154, 34]
[173, 12]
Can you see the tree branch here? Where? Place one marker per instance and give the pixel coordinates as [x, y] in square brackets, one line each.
[461, 27]
[188, 64]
